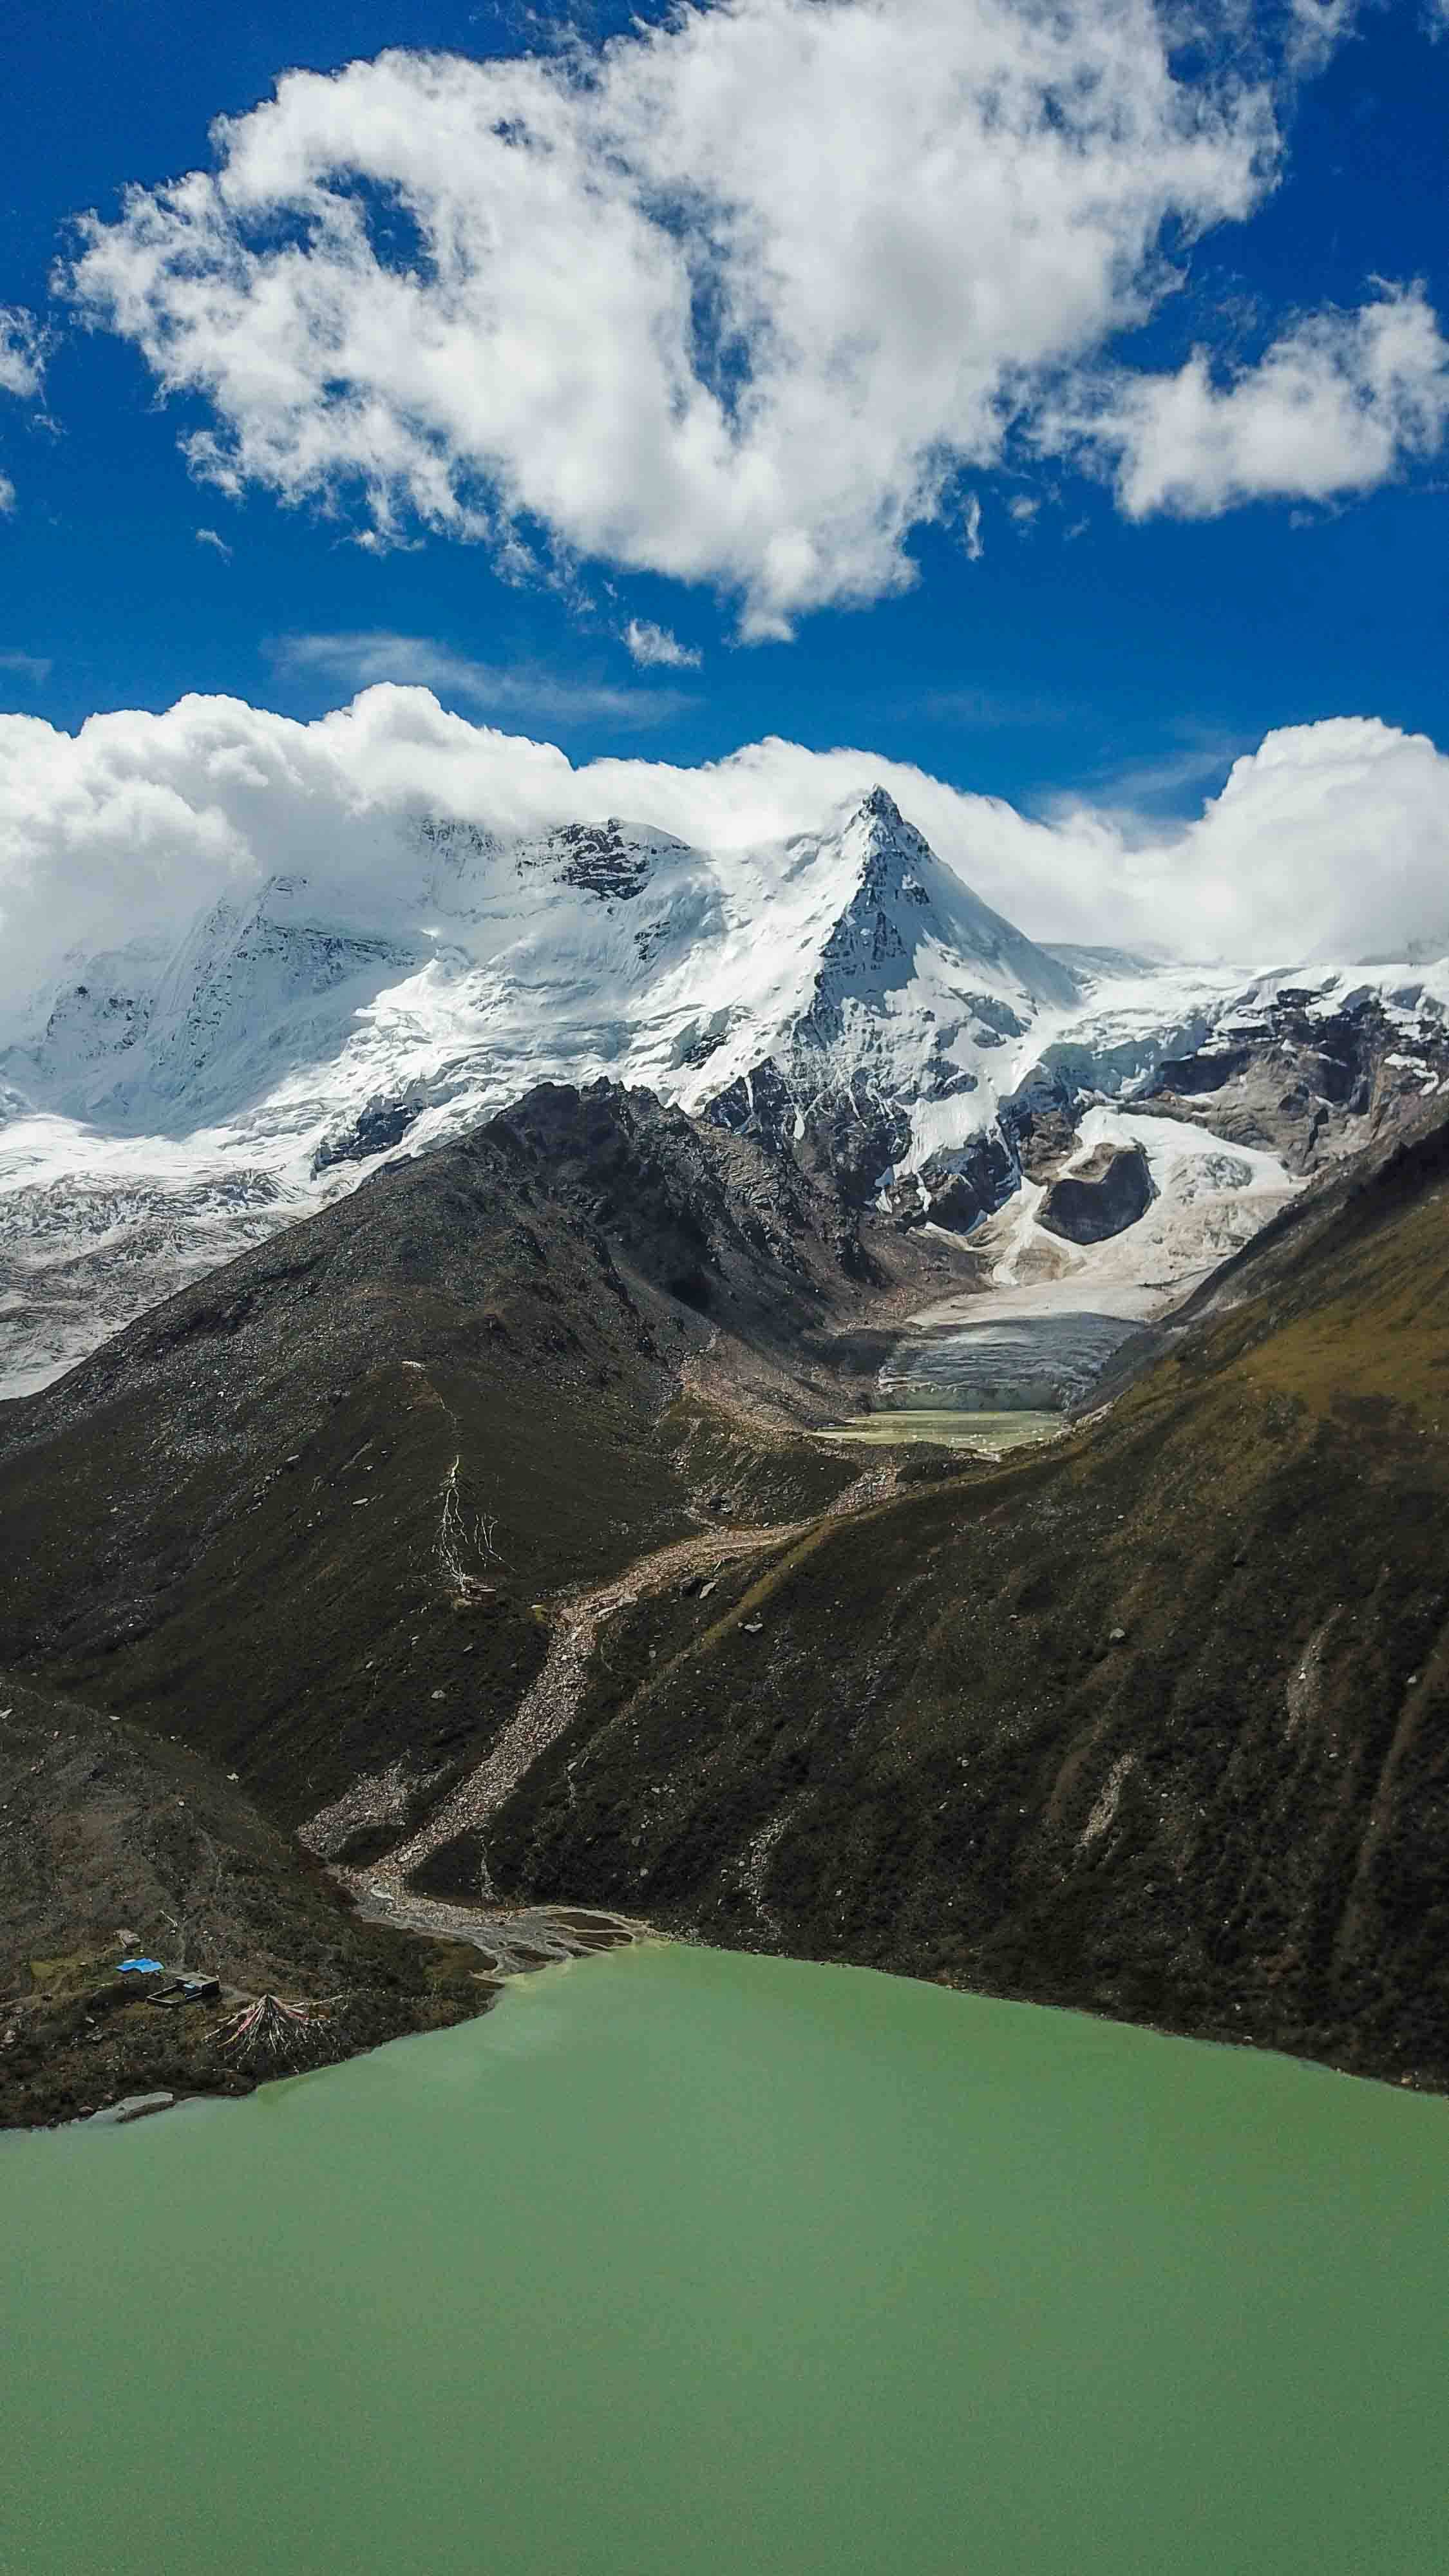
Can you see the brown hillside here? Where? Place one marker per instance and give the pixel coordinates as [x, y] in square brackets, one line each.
[104, 1832]
[303, 1513]
[1155, 1723]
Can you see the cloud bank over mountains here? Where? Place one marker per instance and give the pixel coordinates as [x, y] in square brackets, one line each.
[1331, 840]
[743, 297]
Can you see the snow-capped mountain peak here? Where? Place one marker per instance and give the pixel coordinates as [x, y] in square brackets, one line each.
[905, 903]
[844, 995]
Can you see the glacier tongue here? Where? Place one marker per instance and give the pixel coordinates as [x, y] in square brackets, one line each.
[844, 993]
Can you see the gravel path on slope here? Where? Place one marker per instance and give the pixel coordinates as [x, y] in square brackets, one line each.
[549, 1708]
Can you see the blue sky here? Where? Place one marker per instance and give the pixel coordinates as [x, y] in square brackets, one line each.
[1098, 643]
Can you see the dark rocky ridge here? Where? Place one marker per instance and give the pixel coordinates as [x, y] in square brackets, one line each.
[1305, 1083]
[303, 1512]
[1292, 1079]
[1099, 1197]
[375, 1130]
[599, 861]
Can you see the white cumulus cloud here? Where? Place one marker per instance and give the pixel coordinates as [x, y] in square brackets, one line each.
[738, 299]
[22, 352]
[1330, 840]
[1337, 405]
[1319, 27]
[655, 648]
[22, 371]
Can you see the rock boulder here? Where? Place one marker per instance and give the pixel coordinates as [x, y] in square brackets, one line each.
[1101, 1197]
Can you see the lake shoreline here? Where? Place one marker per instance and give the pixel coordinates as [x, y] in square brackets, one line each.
[684, 1937]
[515, 1942]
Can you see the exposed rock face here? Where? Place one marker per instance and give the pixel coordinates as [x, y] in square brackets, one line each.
[601, 861]
[844, 1136]
[962, 1187]
[1306, 1082]
[1102, 1197]
[383, 1124]
[1188, 1077]
[1043, 1133]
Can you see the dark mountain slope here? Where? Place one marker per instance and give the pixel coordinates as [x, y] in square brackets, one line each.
[105, 1832]
[1155, 1723]
[302, 1513]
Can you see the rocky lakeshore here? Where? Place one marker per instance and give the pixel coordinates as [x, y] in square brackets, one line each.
[114, 1844]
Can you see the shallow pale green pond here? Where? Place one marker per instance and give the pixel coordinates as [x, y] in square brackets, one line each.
[947, 1429]
[683, 2262]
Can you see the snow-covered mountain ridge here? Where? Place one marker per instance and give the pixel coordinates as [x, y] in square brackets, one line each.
[843, 994]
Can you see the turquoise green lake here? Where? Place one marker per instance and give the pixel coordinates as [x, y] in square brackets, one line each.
[683, 2262]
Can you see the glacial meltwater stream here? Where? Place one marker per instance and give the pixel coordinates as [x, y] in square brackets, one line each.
[680, 2262]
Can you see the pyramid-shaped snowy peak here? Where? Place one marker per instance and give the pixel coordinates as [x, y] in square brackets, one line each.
[904, 903]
